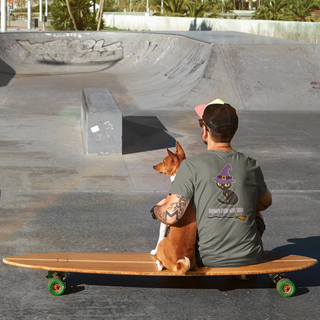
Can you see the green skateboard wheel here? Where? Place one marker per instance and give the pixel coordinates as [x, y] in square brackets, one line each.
[56, 287]
[286, 288]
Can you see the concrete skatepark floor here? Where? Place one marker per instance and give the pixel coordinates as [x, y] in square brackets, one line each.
[54, 198]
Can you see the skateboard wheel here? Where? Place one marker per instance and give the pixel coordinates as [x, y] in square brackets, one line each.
[56, 287]
[286, 288]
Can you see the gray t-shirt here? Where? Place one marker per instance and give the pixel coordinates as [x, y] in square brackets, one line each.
[225, 186]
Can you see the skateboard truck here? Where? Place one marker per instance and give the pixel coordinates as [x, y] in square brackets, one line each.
[276, 277]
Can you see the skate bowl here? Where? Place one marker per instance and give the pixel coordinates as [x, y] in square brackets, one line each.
[176, 71]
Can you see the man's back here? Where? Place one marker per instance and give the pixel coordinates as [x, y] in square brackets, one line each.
[225, 186]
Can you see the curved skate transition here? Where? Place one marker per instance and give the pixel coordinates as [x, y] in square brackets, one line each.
[170, 70]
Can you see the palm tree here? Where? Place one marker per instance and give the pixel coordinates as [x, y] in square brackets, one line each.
[214, 8]
[301, 10]
[173, 8]
[66, 15]
[227, 6]
[273, 10]
[197, 9]
[71, 15]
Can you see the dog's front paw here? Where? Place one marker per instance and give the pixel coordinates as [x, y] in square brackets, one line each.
[159, 265]
[153, 252]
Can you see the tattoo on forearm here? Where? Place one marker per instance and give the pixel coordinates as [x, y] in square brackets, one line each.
[176, 213]
[176, 209]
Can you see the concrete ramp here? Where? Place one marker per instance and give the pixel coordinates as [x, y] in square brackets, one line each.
[264, 77]
[177, 71]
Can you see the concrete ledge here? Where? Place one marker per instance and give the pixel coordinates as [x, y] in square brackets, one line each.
[291, 30]
[101, 122]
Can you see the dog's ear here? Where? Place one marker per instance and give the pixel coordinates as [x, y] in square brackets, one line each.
[180, 151]
[171, 154]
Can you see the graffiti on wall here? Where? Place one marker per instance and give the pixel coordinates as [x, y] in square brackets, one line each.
[6, 47]
[73, 51]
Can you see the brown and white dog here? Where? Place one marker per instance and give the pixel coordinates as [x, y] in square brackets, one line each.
[177, 251]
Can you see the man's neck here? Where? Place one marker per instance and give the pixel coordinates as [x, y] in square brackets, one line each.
[221, 146]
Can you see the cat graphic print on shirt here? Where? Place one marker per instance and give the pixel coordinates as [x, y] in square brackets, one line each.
[223, 182]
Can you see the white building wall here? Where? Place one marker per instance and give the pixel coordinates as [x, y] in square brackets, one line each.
[291, 30]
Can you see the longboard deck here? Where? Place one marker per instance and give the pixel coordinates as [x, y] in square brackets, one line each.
[144, 264]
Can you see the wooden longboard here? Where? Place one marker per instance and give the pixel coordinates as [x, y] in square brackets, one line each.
[145, 264]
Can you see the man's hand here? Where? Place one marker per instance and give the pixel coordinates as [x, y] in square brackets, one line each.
[170, 210]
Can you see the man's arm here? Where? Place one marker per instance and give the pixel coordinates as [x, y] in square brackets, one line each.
[265, 202]
[172, 209]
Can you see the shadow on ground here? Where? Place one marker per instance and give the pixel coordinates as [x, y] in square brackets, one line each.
[6, 73]
[76, 282]
[142, 134]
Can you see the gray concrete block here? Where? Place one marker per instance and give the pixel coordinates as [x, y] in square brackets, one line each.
[101, 122]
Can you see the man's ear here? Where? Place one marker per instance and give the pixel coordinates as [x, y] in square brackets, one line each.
[205, 134]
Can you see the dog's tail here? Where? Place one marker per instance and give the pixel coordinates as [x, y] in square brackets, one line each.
[182, 265]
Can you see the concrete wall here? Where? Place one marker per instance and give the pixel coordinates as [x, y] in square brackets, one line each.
[291, 30]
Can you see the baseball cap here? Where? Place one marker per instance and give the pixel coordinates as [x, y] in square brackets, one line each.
[217, 114]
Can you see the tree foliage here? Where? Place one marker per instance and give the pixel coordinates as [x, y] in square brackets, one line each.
[301, 10]
[84, 19]
[191, 8]
[111, 6]
[293, 10]
[172, 8]
[290, 10]
[226, 6]
[197, 8]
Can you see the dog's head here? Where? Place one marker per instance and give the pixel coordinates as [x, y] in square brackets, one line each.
[171, 163]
